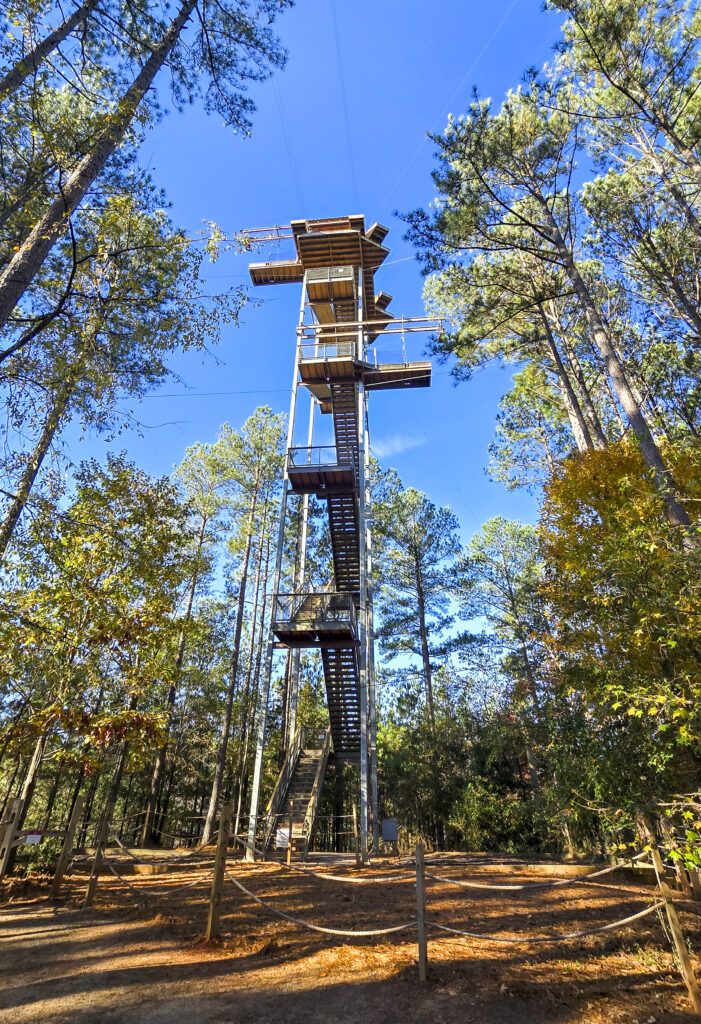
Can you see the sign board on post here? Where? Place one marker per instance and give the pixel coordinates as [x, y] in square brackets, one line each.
[33, 837]
[390, 832]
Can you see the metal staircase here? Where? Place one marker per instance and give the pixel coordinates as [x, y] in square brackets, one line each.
[298, 788]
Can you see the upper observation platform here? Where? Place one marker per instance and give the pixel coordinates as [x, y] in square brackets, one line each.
[333, 242]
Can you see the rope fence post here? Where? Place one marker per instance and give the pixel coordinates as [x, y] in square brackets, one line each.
[679, 869]
[99, 854]
[219, 867]
[7, 833]
[685, 965]
[421, 911]
[67, 849]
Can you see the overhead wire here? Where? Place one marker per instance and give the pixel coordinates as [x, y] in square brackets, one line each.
[344, 102]
[442, 114]
[288, 145]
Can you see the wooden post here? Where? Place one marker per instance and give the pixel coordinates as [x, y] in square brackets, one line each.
[8, 832]
[65, 858]
[685, 965]
[421, 911]
[679, 869]
[355, 836]
[99, 855]
[695, 882]
[225, 817]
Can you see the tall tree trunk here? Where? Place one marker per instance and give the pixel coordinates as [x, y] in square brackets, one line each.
[664, 481]
[233, 673]
[53, 793]
[249, 711]
[23, 267]
[27, 791]
[423, 636]
[579, 425]
[26, 482]
[592, 416]
[672, 187]
[159, 766]
[32, 60]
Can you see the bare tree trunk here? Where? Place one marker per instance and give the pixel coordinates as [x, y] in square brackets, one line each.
[592, 416]
[249, 711]
[579, 425]
[27, 792]
[23, 267]
[233, 673]
[159, 766]
[26, 482]
[425, 653]
[32, 60]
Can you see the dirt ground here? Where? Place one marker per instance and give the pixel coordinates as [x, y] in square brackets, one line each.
[136, 957]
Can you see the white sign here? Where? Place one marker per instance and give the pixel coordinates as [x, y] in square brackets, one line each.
[32, 838]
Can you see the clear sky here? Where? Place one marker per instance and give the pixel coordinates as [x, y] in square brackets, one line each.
[342, 130]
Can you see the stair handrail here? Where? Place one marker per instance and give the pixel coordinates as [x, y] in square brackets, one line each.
[316, 791]
[283, 781]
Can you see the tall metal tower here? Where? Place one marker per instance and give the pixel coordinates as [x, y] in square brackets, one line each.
[336, 362]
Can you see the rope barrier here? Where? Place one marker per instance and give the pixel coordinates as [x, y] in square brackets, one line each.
[316, 927]
[548, 938]
[530, 885]
[150, 892]
[349, 878]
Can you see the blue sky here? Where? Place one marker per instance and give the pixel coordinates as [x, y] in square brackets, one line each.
[342, 130]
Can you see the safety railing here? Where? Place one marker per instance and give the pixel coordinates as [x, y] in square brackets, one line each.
[283, 783]
[314, 609]
[338, 347]
[316, 791]
[324, 455]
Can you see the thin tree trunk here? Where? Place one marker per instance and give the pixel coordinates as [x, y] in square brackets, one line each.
[159, 766]
[592, 416]
[425, 653]
[53, 793]
[23, 489]
[579, 424]
[23, 267]
[664, 481]
[233, 672]
[249, 712]
[31, 62]
[27, 792]
[673, 189]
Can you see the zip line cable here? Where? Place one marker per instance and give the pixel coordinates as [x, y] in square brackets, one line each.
[344, 102]
[442, 114]
[288, 144]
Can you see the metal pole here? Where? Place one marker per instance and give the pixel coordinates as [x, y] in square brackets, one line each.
[297, 654]
[374, 803]
[362, 611]
[268, 667]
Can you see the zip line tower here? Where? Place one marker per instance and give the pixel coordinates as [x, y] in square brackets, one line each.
[336, 362]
